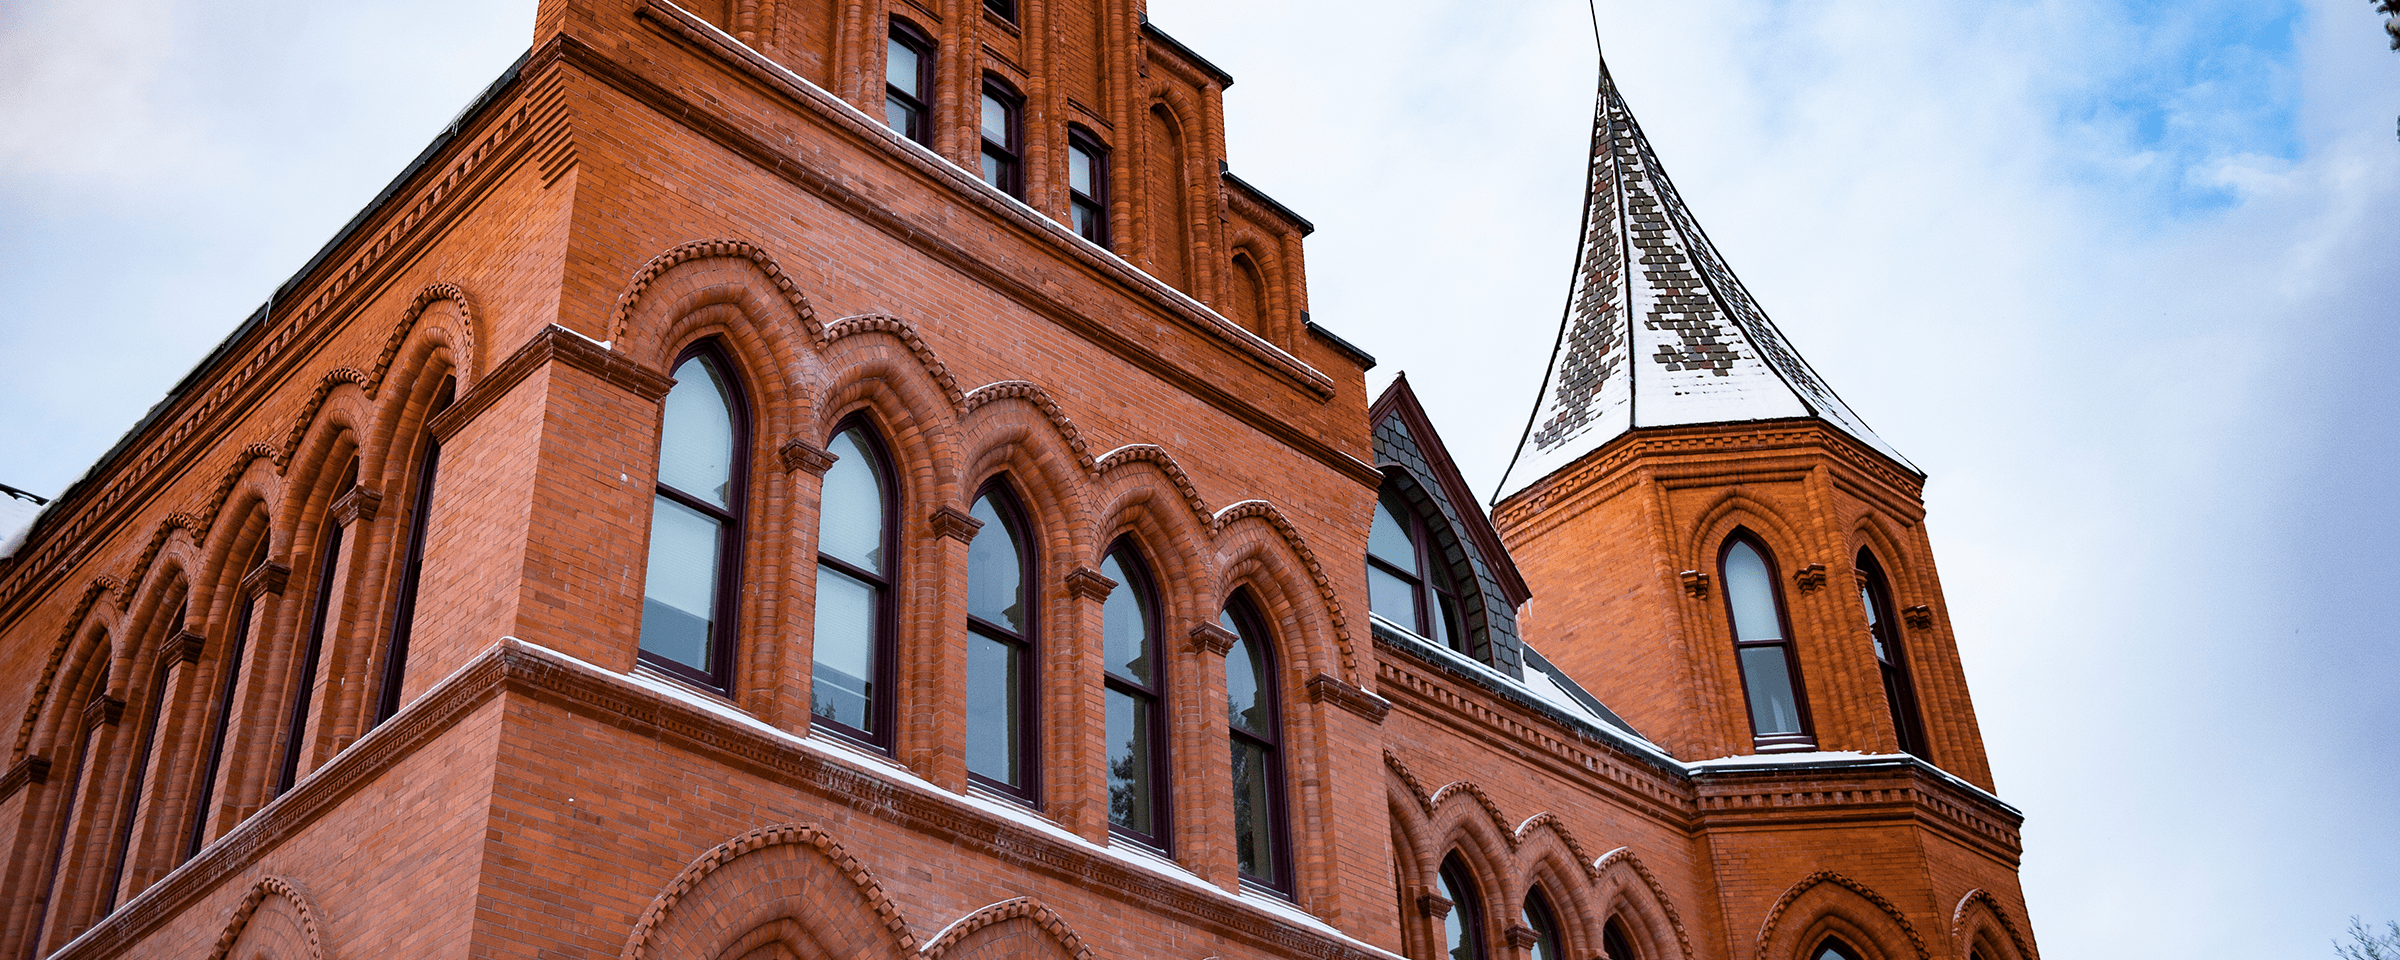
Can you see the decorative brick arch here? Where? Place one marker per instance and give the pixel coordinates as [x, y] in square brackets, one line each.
[1491, 809]
[288, 929]
[661, 932]
[1266, 513]
[1977, 917]
[1039, 399]
[1829, 903]
[969, 937]
[316, 404]
[462, 354]
[1623, 863]
[76, 621]
[1731, 510]
[1553, 824]
[648, 276]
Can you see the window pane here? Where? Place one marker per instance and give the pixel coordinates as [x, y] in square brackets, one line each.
[1773, 708]
[1613, 940]
[995, 572]
[994, 169]
[1537, 919]
[1391, 597]
[1389, 541]
[850, 521]
[1451, 625]
[1752, 594]
[1867, 599]
[1454, 924]
[1079, 170]
[1087, 221]
[844, 686]
[900, 68]
[992, 708]
[995, 121]
[679, 596]
[1253, 813]
[1245, 707]
[696, 453]
[1130, 804]
[1126, 622]
[899, 117]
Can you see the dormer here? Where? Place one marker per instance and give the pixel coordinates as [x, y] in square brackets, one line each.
[1436, 571]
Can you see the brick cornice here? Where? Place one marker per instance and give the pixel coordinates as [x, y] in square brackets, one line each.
[1088, 584]
[30, 768]
[1327, 688]
[553, 344]
[954, 523]
[1902, 489]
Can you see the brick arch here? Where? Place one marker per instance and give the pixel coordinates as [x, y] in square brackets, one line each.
[455, 328]
[1227, 525]
[1551, 824]
[1019, 928]
[403, 400]
[917, 427]
[1141, 503]
[902, 331]
[326, 385]
[1253, 556]
[744, 264]
[1630, 892]
[1550, 857]
[1980, 925]
[1032, 395]
[1730, 511]
[788, 871]
[1267, 257]
[274, 921]
[1871, 534]
[1016, 438]
[1826, 904]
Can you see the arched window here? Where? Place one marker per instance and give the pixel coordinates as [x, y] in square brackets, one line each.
[1002, 734]
[1883, 630]
[1833, 949]
[229, 670]
[1462, 927]
[1002, 125]
[692, 593]
[137, 794]
[86, 727]
[1762, 639]
[1614, 941]
[1136, 688]
[322, 599]
[1546, 942]
[1405, 583]
[857, 547]
[1254, 715]
[908, 81]
[412, 564]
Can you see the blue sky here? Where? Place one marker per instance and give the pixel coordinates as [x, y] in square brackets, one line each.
[2119, 276]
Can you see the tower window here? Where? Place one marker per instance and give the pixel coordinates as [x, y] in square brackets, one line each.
[1004, 9]
[1003, 131]
[1087, 185]
[1256, 729]
[850, 687]
[1001, 740]
[692, 591]
[1407, 583]
[1135, 691]
[1875, 595]
[1462, 927]
[1761, 639]
[908, 81]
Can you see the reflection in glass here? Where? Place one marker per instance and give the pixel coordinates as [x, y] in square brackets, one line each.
[1130, 801]
[1545, 929]
[1459, 933]
[679, 597]
[1388, 539]
[1126, 625]
[695, 452]
[844, 686]
[995, 572]
[1258, 818]
[992, 709]
[850, 524]
[1773, 709]
[1390, 597]
[847, 686]
[1751, 591]
[1253, 810]
[999, 649]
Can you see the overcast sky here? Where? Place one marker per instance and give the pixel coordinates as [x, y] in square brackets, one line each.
[2119, 275]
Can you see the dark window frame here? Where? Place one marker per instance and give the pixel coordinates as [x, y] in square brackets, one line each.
[724, 627]
[334, 541]
[245, 618]
[161, 669]
[1899, 684]
[920, 103]
[1139, 579]
[885, 704]
[1542, 918]
[412, 564]
[1012, 512]
[1615, 944]
[1428, 594]
[1245, 613]
[1010, 155]
[1791, 656]
[1079, 138]
[1835, 946]
[1005, 10]
[1456, 879]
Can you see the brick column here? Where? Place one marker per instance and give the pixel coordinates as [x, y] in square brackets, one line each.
[933, 677]
[1076, 756]
[1203, 784]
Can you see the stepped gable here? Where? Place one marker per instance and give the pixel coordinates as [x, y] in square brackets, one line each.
[1658, 332]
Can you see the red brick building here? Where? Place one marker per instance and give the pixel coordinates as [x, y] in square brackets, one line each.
[796, 479]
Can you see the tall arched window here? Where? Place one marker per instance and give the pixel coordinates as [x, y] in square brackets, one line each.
[412, 564]
[1002, 735]
[1616, 943]
[1538, 918]
[1762, 640]
[229, 672]
[1462, 927]
[1405, 582]
[137, 793]
[1136, 688]
[1883, 630]
[850, 688]
[692, 593]
[908, 81]
[1253, 712]
[86, 727]
[322, 599]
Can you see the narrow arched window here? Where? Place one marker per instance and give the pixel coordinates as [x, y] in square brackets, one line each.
[1762, 640]
[1833, 949]
[1883, 631]
[1001, 730]
[1538, 918]
[692, 592]
[1001, 123]
[850, 688]
[1407, 584]
[137, 791]
[1614, 941]
[908, 81]
[1254, 716]
[412, 564]
[1462, 927]
[322, 600]
[229, 671]
[1136, 689]
[87, 727]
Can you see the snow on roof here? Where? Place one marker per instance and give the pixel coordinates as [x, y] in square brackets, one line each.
[1538, 690]
[16, 518]
[1703, 351]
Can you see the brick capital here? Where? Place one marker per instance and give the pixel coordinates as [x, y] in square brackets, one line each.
[1089, 584]
[798, 454]
[954, 523]
[1212, 638]
[267, 577]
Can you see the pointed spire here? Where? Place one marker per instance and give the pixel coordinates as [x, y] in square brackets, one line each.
[1664, 337]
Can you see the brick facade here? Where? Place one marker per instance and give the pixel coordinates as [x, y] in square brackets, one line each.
[221, 598]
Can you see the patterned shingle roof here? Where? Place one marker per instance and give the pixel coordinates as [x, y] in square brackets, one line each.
[1658, 331]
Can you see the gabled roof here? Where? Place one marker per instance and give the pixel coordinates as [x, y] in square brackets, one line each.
[1658, 331]
[1399, 400]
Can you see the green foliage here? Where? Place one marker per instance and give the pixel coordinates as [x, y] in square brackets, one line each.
[2365, 943]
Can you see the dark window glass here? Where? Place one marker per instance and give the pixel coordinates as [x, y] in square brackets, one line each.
[1883, 631]
[1256, 723]
[295, 740]
[87, 738]
[1004, 9]
[850, 689]
[1613, 940]
[1462, 927]
[1833, 949]
[229, 670]
[1769, 677]
[404, 603]
[908, 82]
[1003, 138]
[1135, 694]
[137, 796]
[1087, 185]
[1408, 581]
[1546, 944]
[1001, 746]
[691, 592]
